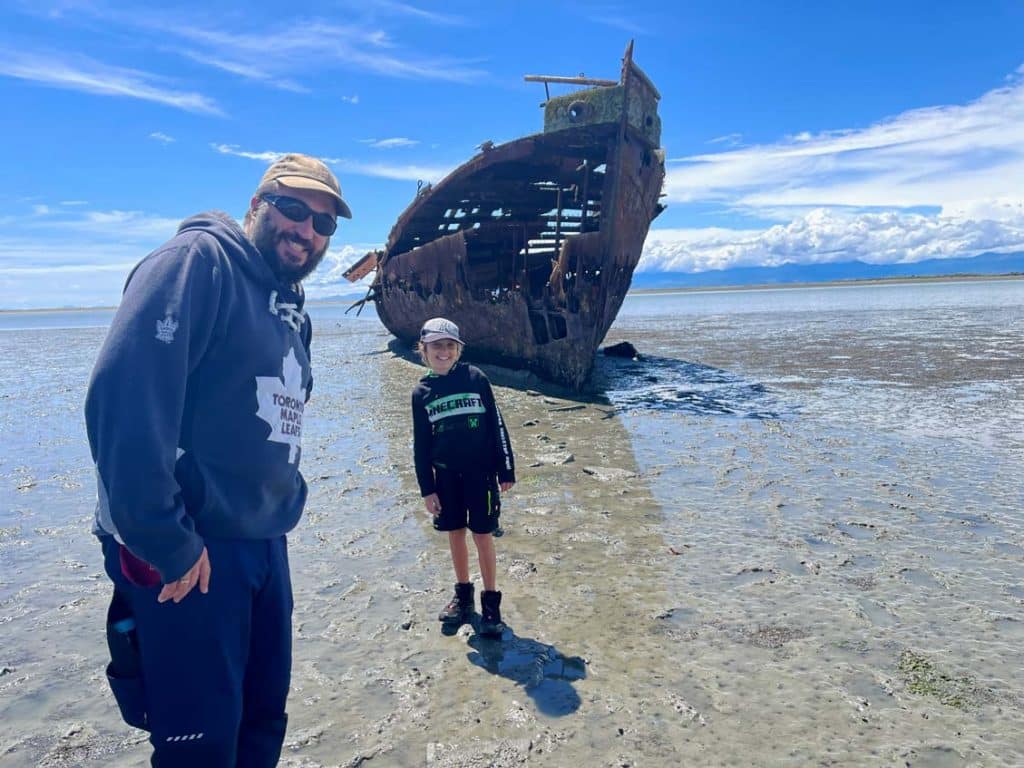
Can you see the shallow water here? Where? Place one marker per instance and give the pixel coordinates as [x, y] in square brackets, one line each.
[791, 535]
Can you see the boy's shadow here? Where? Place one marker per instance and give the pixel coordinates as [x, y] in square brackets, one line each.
[542, 670]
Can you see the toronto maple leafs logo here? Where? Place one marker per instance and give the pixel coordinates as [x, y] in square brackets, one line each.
[281, 403]
[165, 329]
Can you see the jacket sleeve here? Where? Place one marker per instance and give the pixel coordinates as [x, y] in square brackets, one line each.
[422, 445]
[503, 458]
[136, 399]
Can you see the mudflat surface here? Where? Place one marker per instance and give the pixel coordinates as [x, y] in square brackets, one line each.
[783, 538]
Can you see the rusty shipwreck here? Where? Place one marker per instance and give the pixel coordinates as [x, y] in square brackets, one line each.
[530, 246]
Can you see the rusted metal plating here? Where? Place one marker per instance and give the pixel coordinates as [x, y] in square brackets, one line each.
[530, 246]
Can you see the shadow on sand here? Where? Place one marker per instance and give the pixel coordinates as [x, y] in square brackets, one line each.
[545, 674]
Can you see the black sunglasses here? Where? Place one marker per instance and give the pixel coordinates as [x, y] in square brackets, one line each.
[324, 224]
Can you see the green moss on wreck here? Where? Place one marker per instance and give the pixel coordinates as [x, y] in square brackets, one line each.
[921, 677]
[597, 106]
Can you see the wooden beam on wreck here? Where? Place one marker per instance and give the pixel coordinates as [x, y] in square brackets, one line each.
[568, 80]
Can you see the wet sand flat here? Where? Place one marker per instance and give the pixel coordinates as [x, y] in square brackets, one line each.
[781, 539]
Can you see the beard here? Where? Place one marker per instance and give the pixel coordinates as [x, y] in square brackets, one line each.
[266, 237]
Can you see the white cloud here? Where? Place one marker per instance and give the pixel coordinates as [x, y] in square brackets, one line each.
[163, 137]
[351, 99]
[265, 157]
[90, 76]
[858, 194]
[399, 172]
[389, 143]
[328, 278]
[825, 236]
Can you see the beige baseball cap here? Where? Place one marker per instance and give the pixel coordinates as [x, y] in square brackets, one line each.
[305, 172]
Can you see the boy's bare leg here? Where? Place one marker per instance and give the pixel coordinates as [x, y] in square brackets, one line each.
[460, 554]
[488, 560]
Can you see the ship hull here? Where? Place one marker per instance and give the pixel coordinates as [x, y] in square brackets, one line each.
[530, 246]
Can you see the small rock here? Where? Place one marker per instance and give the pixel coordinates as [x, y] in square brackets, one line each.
[622, 349]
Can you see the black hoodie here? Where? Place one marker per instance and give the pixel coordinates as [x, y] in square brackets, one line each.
[195, 406]
[457, 426]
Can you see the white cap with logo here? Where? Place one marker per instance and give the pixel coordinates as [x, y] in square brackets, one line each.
[437, 328]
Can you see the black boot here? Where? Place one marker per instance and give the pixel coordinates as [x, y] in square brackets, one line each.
[490, 607]
[460, 609]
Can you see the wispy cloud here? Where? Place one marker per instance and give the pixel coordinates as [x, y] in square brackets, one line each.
[346, 47]
[617, 15]
[398, 172]
[130, 225]
[731, 139]
[405, 9]
[389, 143]
[75, 256]
[947, 156]
[277, 55]
[618, 21]
[89, 76]
[247, 71]
[162, 137]
[351, 99]
[73, 227]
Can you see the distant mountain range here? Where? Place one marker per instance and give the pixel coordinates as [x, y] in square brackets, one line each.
[983, 264]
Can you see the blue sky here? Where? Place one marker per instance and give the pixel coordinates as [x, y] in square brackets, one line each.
[795, 132]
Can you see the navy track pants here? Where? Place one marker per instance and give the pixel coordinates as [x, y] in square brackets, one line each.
[216, 667]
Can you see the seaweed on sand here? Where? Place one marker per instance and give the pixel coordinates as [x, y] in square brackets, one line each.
[921, 676]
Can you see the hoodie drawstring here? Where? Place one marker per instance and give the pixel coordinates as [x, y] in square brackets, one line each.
[286, 312]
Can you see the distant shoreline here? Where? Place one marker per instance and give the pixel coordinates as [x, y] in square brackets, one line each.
[854, 281]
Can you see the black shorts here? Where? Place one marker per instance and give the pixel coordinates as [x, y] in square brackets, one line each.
[467, 501]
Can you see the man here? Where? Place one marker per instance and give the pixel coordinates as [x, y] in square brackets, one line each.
[194, 415]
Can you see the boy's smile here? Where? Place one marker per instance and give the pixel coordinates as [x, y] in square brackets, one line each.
[442, 355]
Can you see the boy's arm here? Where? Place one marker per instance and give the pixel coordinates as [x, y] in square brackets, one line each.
[504, 460]
[422, 438]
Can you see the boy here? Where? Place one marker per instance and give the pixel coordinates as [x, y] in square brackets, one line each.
[463, 455]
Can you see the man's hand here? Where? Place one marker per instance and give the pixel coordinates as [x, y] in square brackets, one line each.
[199, 574]
[433, 504]
[506, 486]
